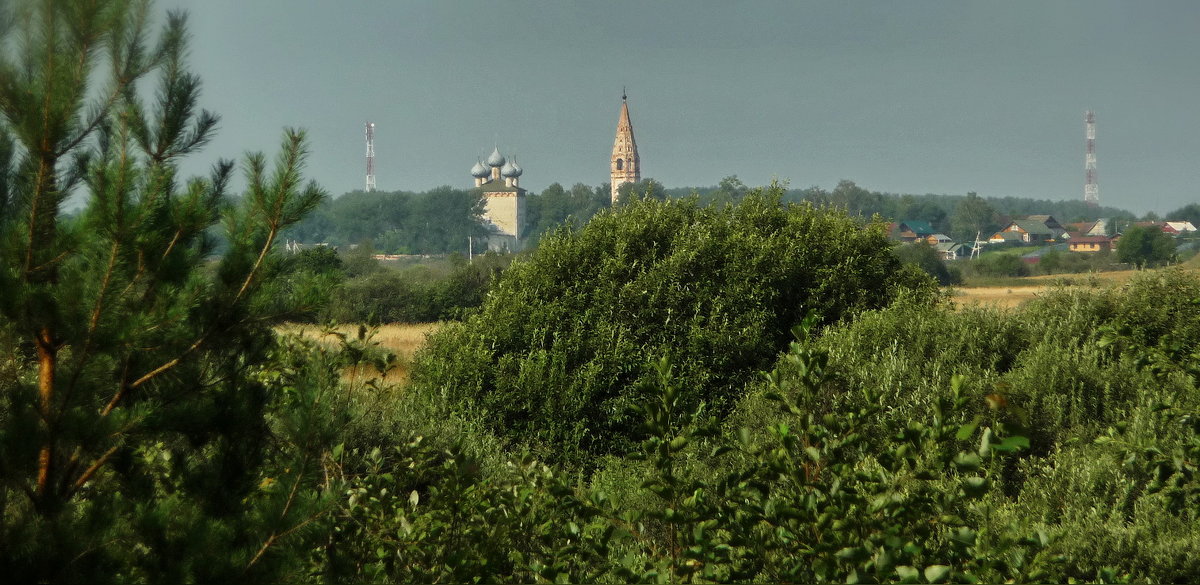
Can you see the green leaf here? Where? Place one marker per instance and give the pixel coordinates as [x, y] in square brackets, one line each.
[967, 461]
[965, 431]
[1012, 444]
[908, 574]
[679, 443]
[976, 486]
[985, 443]
[937, 574]
[852, 554]
[964, 536]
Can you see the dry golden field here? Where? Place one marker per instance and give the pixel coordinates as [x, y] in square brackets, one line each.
[1029, 287]
[402, 339]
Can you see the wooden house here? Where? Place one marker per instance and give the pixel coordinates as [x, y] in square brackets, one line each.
[1091, 244]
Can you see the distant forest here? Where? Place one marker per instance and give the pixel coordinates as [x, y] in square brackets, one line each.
[441, 220]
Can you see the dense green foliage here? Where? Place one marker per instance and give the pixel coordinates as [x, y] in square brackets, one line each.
[555, 355]
[1000, 265]
[556, 206]
[1144, 246]
[435, 222]
[911, 444]
[140, 387]
[419, 293]
[154, 428]
[928, 259]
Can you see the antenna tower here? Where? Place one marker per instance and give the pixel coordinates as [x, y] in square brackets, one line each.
[1091, 191]
[370, 157]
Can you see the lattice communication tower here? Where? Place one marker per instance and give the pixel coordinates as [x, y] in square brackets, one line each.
[370, 157]
[1091, 191]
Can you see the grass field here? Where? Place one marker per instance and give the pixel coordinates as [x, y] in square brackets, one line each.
[400, 338]
[1011, 292]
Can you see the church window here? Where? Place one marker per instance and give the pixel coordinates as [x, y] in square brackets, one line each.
[620, 164]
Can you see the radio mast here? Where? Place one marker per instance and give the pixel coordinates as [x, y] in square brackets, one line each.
[370, 156]
[1091, 191]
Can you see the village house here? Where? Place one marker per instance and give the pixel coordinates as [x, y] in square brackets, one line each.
[951, 251]
[1034, 229]
[1180, 227]
[1088, 228]
[935, 239]
[1174, 228]
[910, 231]
[1091, 244]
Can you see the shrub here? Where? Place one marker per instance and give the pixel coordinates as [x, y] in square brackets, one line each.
[1001, 265]
[385, 296]
[555, 353]
[1146, 246]
[416, 294]
[926, 258]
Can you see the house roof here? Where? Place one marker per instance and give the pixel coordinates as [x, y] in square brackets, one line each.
[1033, 226]
[920, 227]
[1082, 227]
[1048, 220]
[1091, 240]
[1100, 228]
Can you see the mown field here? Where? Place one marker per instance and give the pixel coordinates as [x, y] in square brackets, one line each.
[403, 339]
[1014, 291]
[1011, 292]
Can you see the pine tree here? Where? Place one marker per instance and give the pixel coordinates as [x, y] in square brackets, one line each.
[136, 371]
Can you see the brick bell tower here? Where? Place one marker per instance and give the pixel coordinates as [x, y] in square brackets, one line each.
[626, 165]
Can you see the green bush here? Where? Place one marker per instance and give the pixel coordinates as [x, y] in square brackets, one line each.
[1145, 246]
[385, 296]
[1001, 265]
[555, 355]
[817, 503]
[928, 259]
[415, 294]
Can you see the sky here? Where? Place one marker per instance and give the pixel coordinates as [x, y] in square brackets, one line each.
[902, 97]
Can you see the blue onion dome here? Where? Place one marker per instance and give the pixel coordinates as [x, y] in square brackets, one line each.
[508, 170]
[516, 169]
[479, 171]
[495, 159]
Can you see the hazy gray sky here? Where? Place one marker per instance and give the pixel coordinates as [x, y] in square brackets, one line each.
[908, 97]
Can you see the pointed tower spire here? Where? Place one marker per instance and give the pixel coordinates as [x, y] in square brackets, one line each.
[626, 164]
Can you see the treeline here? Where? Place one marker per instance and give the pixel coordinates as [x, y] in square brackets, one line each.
[440, 221]
[353, 287]
[434, 222]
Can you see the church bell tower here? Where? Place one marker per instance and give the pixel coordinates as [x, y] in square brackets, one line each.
[626, 165]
